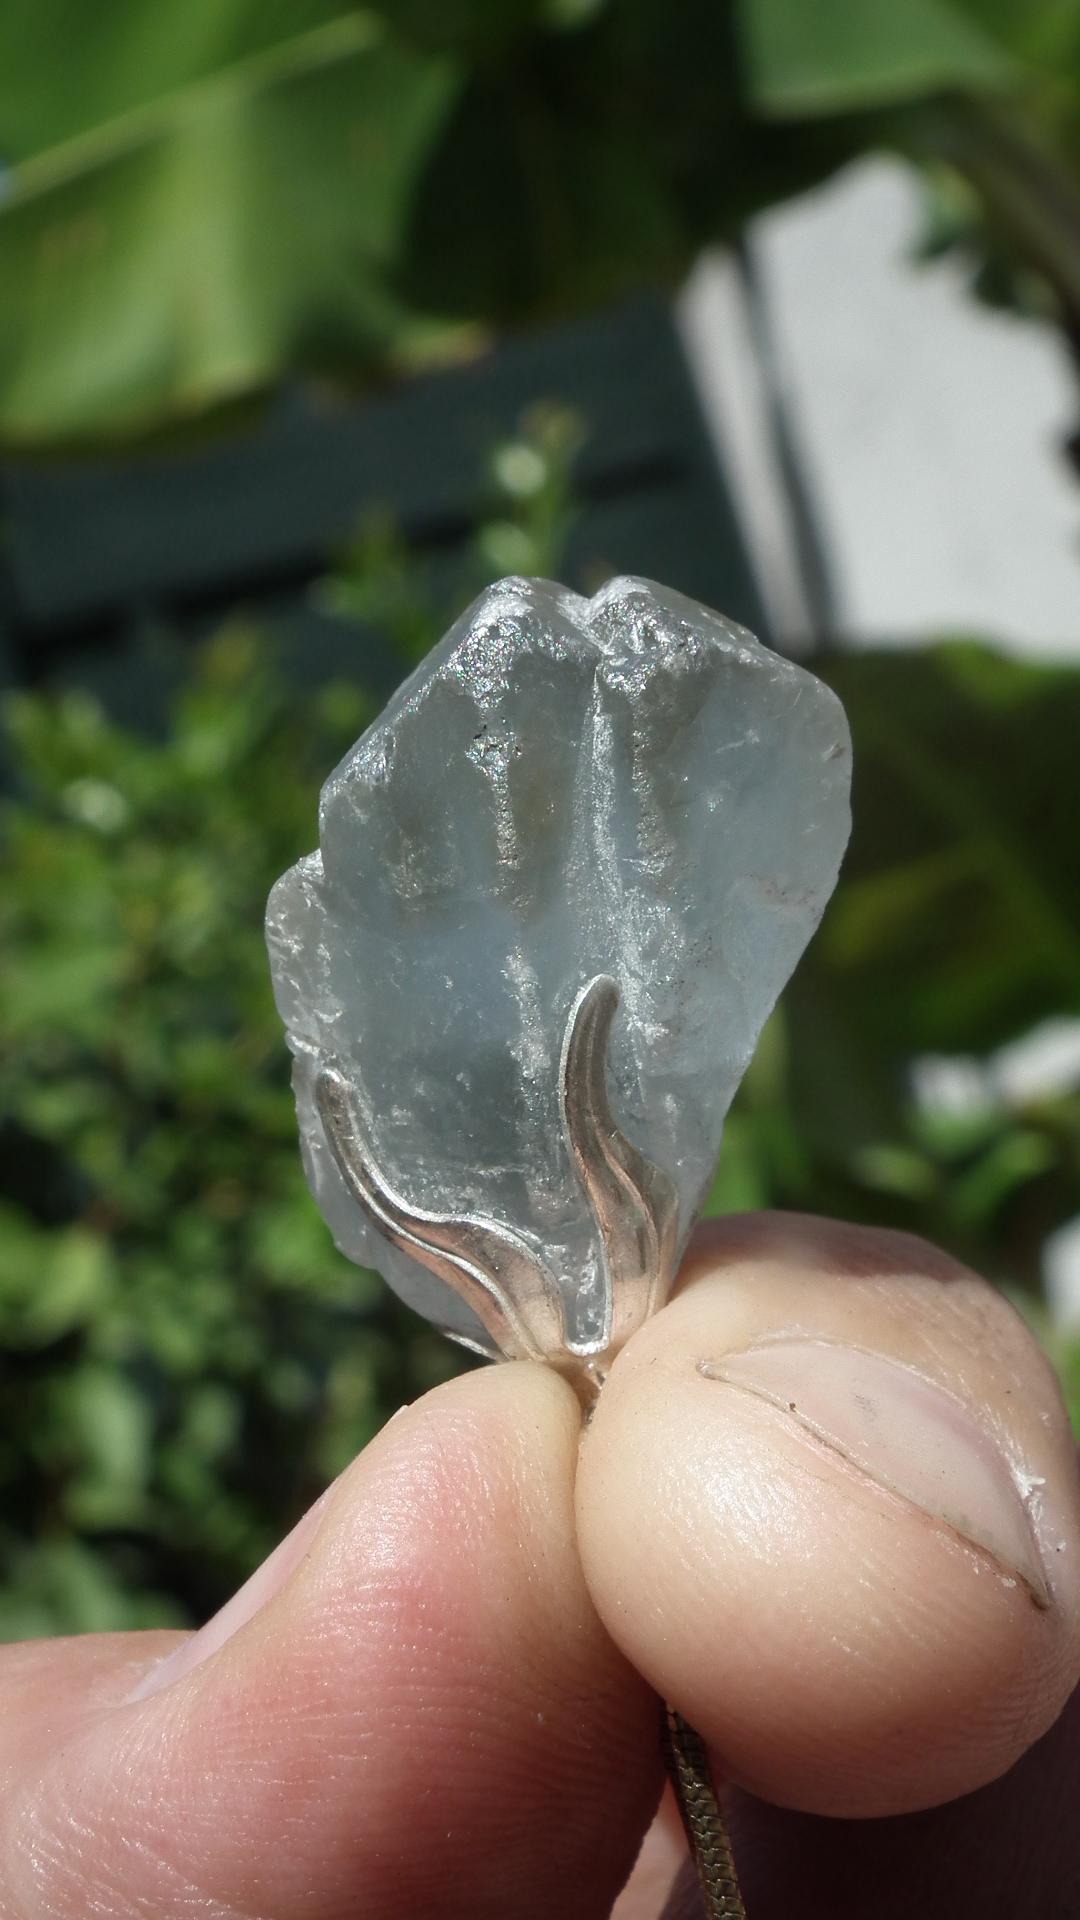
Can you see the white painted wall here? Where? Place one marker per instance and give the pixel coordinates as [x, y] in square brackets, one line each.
[930, 431]
[931, 428]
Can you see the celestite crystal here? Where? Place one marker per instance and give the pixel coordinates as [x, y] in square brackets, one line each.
[626, 790]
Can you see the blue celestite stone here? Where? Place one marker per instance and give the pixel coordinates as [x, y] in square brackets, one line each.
[627, 786]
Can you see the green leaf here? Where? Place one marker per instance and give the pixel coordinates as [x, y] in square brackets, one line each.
[76, 1278]
[64, 1586]
[1045, 33]
[1019, 1156]
[742, 1183]
[244, 218]
[130, 55]
[108, 1426]
[66, 992]
[1065, 1353]
[957, 922]
[835, 56]
[955, 928]
[50, 1283]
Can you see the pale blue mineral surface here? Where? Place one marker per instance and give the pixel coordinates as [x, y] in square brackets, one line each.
[628, 785]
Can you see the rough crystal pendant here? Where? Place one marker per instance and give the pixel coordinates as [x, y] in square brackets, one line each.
[560, 884]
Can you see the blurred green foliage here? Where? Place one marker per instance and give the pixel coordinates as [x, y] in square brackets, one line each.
[877, 1092]
[174, 1377]
[211, 196]
[184, 1357]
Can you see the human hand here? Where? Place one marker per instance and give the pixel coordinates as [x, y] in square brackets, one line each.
[439, 1695]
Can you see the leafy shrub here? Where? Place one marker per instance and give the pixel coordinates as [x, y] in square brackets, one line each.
[184, 1358]
[183, 1362]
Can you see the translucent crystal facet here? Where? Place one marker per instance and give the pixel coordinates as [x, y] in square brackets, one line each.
[627, 790]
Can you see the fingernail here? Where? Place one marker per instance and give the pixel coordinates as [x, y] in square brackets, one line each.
[905, 1433]
[264, 1583]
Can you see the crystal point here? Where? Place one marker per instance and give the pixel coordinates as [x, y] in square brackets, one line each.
[625, 796]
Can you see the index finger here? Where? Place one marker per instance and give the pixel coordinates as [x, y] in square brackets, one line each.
[414, 1709]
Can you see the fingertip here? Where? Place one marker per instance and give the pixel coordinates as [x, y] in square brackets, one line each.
[424, 1715]
[803, 1514]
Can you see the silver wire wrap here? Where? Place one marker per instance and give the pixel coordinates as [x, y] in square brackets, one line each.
[507, 1284]
[517, 1300]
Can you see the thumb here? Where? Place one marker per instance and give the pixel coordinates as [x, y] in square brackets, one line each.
[828, 1506]
[411, 1709]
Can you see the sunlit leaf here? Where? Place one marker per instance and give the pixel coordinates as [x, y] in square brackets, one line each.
[838, 55]
[182, 249]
